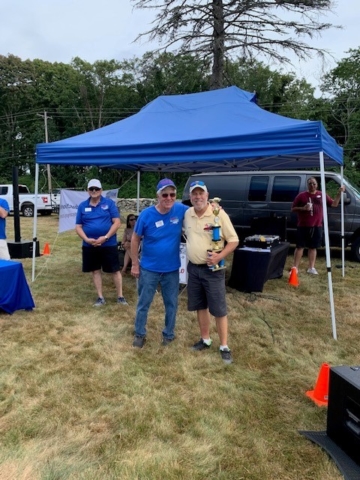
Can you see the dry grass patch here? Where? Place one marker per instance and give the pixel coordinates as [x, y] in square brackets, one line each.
[78, 402]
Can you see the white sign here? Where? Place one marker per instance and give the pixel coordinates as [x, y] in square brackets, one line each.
[183, 264]
[69, 203]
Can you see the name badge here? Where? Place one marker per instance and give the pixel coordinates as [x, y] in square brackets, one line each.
[87, 209]
[160, 223]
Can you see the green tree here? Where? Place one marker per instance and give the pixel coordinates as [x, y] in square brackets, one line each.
[341, 86]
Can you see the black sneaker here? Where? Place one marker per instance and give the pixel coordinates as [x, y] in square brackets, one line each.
[201, 345]
[166, 341]
[139, 342]
[122, 301]
[226, 356]
[99, 302]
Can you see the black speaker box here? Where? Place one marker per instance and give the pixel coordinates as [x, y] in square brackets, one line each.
[343, 417]
[23, 249]
[269, 226]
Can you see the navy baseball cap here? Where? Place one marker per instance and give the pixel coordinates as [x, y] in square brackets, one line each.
[164, 183]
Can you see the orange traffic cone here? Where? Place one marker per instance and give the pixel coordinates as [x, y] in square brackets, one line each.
[321, 392]
[46, 250]
[293, 278]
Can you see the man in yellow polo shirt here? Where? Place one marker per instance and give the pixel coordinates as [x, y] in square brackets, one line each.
[206, 287]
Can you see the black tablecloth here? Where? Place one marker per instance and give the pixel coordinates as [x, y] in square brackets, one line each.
[14, 291]
[251, 269]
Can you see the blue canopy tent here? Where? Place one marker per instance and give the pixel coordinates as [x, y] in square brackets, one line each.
[219, 130]
[208, 131]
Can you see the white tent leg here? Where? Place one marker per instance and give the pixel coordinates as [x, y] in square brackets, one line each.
[138, 193]
[342, 224]
[35, 221]
[327, 245]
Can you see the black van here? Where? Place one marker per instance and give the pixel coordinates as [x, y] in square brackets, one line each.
[248, 196]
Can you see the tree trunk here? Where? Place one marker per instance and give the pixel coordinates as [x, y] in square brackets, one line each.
[216, 80]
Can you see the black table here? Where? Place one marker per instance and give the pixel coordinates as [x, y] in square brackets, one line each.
[14, 290]
[251, 268]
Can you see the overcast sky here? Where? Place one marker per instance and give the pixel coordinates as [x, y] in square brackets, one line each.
[57, 31]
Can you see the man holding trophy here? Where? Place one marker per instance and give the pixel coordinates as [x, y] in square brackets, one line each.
[206, 229]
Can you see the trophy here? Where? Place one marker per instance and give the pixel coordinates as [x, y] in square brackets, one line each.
[216, 237]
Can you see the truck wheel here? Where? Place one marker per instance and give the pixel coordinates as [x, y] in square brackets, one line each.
[28, 210]
[355, 249]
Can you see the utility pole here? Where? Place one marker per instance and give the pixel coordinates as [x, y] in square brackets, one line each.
[45, 117]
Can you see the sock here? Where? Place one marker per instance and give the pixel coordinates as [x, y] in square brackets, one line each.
[207, 341]
[224, 347]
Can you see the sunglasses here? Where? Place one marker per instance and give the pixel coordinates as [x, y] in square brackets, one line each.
[198, 182]
[94, 189]
[172, 195]
[132, 219]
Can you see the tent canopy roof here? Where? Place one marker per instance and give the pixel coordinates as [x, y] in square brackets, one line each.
[209, 131]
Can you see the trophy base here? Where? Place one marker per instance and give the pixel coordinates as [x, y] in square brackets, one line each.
[217, 268]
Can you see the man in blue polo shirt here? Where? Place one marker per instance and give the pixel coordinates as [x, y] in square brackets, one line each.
[4, 211]
[97, 222]
[159, 229]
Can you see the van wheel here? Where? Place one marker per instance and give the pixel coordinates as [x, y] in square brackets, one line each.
[355, 249]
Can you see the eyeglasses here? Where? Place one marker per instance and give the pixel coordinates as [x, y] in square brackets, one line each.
[172, 195]
[94, 189]
[198, 182]
[132, 219]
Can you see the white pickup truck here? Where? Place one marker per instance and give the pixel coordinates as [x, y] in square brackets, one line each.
[27, 200]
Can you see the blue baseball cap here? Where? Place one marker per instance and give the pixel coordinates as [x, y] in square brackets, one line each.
[164, 183]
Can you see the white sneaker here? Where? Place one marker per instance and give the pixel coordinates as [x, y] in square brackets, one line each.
[313, 271]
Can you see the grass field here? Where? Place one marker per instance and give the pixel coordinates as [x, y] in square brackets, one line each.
[77, 401]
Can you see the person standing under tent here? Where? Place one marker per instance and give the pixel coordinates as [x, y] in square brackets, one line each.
[97, 222]
[159, 230]
[206, 287]
[4, 212]
[309, 208]
[126, 240]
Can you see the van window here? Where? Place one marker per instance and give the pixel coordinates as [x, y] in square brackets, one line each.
[258, 188]
[285, 189]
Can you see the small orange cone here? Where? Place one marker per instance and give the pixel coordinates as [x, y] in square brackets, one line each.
[293, 278]
[46, 250]
[321, 392]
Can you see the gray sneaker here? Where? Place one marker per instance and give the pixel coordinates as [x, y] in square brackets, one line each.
[122, 301]
[99, 302]
[139, 342]
[226, 356]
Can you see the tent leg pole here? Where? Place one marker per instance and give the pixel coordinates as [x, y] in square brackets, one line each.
[138, 193]
[327, 244]
[35, 222]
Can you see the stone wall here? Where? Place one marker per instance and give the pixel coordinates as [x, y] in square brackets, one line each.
[128, 205]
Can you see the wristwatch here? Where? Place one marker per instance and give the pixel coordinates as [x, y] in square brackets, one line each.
[107, 238]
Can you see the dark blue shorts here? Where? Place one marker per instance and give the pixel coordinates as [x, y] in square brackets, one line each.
[310, 237]
[206, 289]
[100, 258]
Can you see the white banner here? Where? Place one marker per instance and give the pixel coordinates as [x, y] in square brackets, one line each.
[69, 203]
[183, 264]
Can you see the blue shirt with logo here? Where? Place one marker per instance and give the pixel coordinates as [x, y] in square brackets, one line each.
[161, 235]
[97, 221]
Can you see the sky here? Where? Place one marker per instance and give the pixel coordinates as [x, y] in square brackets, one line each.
[58, 31]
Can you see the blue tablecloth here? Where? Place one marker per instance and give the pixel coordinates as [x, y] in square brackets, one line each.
[14, 291]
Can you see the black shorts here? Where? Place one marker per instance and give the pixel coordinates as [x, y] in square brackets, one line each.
[206, 289]
[310, 237]
[100, 258]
